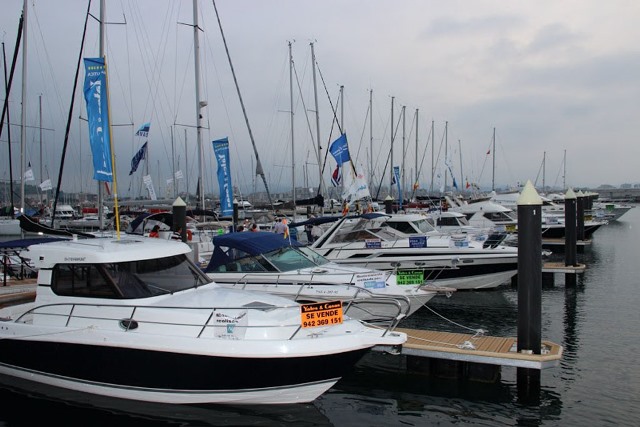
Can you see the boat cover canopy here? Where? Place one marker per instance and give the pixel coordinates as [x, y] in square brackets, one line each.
[249, 242]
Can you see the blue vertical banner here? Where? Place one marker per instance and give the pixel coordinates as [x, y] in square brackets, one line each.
[95, 94]
[396, 179]
[221, 151]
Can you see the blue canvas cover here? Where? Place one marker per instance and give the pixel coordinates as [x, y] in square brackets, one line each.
[252, 243]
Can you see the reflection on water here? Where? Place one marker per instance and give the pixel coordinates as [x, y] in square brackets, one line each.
[72, 408]
[596, 321]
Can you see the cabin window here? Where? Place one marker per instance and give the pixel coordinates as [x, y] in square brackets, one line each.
[82, 280]
[126, 280]
[404, 227]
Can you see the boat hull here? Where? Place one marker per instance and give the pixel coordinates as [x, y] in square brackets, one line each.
[170, 377]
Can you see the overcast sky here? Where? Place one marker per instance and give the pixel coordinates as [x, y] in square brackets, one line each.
[550, 77]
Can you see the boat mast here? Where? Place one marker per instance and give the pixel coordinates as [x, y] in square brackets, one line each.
[293, 163]
[433, 166]
[371, 138]
[186, 164]
[315, 95]
[40, 115]
[199, 104]
[544, 170]
[259, 170]
[564, 171]
[446, 146]
[173, 165]
[493, 152]
[101, 55]
[415, 181]
[392, 134]
[461, 174]
[404, 147]
[23, 128]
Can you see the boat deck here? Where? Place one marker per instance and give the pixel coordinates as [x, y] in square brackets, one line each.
[478, 349]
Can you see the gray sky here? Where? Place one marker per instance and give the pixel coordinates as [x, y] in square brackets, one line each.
[551, 77]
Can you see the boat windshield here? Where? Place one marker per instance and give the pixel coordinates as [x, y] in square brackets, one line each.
[289, 259]
[314, 256]
[125, 280]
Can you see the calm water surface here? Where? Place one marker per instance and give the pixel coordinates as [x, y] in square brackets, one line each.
[597, 382]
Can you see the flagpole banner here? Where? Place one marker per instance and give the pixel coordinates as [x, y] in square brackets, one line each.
[149, 184]
[396, 178]
[340, 150]
[46, 185]
[221, 151]
[28, 175]
[95, 94]
[144, 130]
[140, 155]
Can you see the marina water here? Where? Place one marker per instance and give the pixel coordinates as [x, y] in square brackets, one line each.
[596, 383]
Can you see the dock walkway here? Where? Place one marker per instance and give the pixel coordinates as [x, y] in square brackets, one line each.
[478, 349]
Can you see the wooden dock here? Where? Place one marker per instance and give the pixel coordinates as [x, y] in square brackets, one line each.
[478, 349]
[559, 267]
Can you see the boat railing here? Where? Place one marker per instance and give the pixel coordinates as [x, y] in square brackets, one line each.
[358, 304]
[198, 322]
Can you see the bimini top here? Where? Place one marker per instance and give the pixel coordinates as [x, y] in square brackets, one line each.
[103, 250]
[249, 242]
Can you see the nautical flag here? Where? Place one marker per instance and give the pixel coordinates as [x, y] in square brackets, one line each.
[169, 181]
[340, 150]
[468, 185]
[455, 184]
[140, 155]
[488, 151]
[221, 151]
[179, 175]
[396, 180]
[95, 94]
[286, 228]
[415, 186]
[144, 130]
[336, 176]
[46, 185]
[149, 184]
[28, 175]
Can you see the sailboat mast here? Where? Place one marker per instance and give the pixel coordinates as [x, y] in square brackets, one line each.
[259, 170]
[371, 138]
[493, 152]
[446, 155]
[461, 174]
[433, 145]
[293, 163]
[186, 163]
[564, 171]
[40, 116]
[415, 181]
[101, 54]
[315, 95]
[392, 135]
[404, 146]
[544, 169]
[173, 165]
[199, 104]
[23, 128]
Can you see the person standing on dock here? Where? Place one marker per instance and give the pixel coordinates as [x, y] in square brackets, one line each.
[279, 227]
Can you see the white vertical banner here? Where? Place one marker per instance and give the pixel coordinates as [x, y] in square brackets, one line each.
[149, 184]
